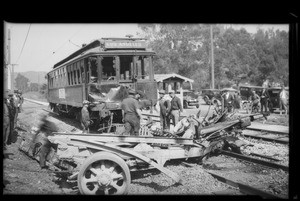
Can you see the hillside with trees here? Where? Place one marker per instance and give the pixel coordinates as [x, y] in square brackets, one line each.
[238, 55]
[31, 81]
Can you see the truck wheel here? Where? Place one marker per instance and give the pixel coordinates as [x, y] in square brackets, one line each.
[104, 173]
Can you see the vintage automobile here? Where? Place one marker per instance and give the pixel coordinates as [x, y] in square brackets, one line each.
[274, 101]
[209, 94]
[245, 92]
[190, 99]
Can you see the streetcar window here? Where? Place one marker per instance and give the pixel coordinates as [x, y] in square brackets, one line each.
[108, 69]
[87, 77]
[59, 77]
[65, 76]
[78, 72]
[82, 71]
[126, 66]
[74, 73]
[93, 66]
[68, 72]
[55, 78]
[142, 67]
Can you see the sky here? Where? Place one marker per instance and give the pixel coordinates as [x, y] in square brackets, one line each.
[37, 47]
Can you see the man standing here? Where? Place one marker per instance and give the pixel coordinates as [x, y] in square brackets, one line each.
[227, 99]
[164, 107]
[254, 100]
[6, 121]
[264, 100]
[12, 112]
[131, 114]
[284, 100]
[176, 107]
[85, 117]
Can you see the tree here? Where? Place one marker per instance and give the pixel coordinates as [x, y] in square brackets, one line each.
[185, 49]
[182, 49]
[21, 82]
[34, 87]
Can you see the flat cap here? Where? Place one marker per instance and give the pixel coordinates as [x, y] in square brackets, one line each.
[162, 91]
[131, 91]
[86, 102]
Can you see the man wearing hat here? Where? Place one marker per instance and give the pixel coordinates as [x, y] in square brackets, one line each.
[176, 107]
[6, 120]
[12, 111]
[165, 107]
[85, 117]
[131, 113]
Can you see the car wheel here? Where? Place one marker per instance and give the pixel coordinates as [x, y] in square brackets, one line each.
[185, 105]
[245, 105]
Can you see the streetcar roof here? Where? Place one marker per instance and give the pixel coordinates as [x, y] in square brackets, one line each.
[98, 47]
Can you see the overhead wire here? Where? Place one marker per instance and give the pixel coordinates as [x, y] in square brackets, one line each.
[24, 43]
[60, 47]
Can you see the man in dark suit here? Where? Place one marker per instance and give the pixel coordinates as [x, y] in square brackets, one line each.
[176, 107]
[165, 107]
[131, 113]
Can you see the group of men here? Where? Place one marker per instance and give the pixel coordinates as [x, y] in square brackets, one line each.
[12, 105]
[170, 108]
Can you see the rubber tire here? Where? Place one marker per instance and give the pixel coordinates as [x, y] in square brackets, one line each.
[244, 106]
[102, 155]
[185, 105]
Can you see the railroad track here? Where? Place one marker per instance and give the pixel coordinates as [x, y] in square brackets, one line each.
[277, 138]
[256, 160]
[243, 188]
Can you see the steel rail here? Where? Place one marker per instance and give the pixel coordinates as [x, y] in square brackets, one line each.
[269, 139]
[255, 160]
[269, 131]
[245, 189]
[267, 157]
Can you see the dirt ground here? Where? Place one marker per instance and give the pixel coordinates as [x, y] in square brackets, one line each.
[22, 175]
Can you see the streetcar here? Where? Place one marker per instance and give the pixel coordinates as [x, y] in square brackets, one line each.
[102, 72]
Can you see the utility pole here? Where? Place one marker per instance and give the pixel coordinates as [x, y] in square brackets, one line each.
[212, 59]
[12, 76]
[6, 61]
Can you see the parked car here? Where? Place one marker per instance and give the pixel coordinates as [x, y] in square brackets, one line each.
[245, 92]
[274, 101]
[190, 98]
[209, 94]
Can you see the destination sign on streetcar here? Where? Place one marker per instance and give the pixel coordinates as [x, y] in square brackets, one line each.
[125, 45]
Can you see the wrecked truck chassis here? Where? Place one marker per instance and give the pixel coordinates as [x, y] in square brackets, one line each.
[104, 161]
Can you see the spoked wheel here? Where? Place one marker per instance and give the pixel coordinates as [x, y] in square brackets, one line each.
[104, 173]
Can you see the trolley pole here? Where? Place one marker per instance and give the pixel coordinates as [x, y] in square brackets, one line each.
[212, 59]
